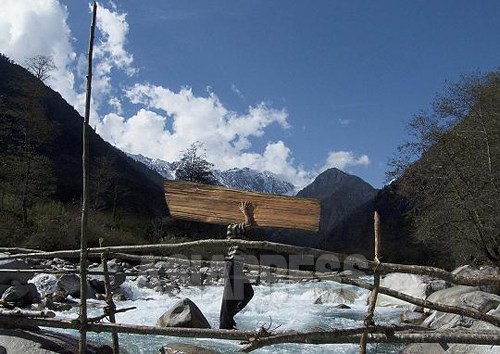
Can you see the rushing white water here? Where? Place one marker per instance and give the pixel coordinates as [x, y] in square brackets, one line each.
[289, 306]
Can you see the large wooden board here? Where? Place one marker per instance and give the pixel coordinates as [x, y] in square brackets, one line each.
[219, 205]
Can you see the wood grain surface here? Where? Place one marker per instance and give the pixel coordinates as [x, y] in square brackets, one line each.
[219, 205]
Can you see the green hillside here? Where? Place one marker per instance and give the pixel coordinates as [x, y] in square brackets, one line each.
[41, 178]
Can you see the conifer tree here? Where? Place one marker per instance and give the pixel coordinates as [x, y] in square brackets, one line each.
[194, 167]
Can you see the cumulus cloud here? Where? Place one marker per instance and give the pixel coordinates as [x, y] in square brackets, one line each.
[182, 118]
[165, 122]
[344, 159]
[111, 47]
[39, 27]
[344, 121]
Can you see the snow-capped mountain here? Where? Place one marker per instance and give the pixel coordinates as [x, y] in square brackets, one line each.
[245, 178]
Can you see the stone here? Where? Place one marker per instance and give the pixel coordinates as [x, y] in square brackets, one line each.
[57, 306]
[433, 285]
[104, 349]
[142, 281]
[460, 295]
[427, 348]
[119, 297]
[33, 296]
[412, 317]
[410, 284]
[115, 280]
[8, 277]
[15, 293]
[184, 314]
[4, 287]
[70, 284]
[46, 283]
[180, 348]
[487, 271]
[17, 341]
[336, 296]
[342, 306]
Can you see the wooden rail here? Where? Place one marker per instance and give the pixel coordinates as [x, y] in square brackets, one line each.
[369, 333]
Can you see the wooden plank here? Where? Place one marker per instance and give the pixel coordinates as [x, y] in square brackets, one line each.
[219, 205]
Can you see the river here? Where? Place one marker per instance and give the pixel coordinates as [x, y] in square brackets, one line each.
[288, 305]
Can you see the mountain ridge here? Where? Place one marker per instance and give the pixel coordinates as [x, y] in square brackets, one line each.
[238, 178]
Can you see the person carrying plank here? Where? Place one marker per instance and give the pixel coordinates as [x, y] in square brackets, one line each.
[237, 288]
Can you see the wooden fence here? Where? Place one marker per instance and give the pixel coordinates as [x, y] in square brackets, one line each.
[370, 332]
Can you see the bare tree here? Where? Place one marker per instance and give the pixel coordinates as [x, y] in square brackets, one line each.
[455, 183]
[41, 66]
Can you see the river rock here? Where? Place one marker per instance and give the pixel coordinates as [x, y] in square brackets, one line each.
[477, 326]
[15, 292]
[342, 306]
[412, 317]
[486, 271]
[46, 283]
[70, 284]
[115, 280]
[461, 295]
[33, 296]
[180, 348]
[16, 341]
[410, 284]
[185, 314]
[4, 287]
[427, 348]
[8, 277]
[337, 296]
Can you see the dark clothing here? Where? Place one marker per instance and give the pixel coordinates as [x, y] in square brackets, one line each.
[237, 294]
[237, 288]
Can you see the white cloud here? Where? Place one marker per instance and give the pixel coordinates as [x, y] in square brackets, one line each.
[344, 159]
[188, 118]
[166, 122]
[344, 122]
[237, 91]
[111, 47]
[39, 27]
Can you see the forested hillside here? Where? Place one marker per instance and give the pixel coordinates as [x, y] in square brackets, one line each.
[443, 206]
[40, 174]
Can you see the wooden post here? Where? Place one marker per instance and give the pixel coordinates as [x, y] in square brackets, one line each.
[376, 284]
[109, 300]
[85, 159]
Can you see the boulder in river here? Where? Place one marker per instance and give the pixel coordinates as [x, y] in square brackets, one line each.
[184, 314]
[180, 348]
[461, 295]
[15, 292]
[115, 280]
[409, 284]
[337, 296]
[8, 277]
[486, 271]
[17, 341]
[70, 284]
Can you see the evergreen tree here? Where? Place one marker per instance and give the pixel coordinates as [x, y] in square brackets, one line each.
[26, 171]
[194, 167]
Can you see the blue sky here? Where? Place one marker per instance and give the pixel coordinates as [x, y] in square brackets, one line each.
[293, 87]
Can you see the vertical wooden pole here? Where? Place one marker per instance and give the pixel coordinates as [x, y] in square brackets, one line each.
[85, 159]
[368, 322]
[109, 300]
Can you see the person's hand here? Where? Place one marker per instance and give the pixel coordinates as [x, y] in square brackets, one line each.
[247, 210]
[246, 207]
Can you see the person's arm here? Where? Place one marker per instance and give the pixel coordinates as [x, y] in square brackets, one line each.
[247, 210]
[235, 230]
